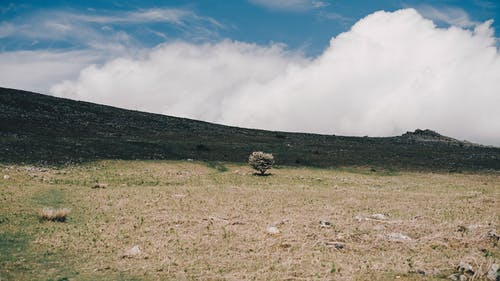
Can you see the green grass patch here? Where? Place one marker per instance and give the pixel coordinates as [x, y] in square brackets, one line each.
[52, 197]
[218, 166]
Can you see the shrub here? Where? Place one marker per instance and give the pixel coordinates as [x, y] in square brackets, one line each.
[50, 214]
[261, 161]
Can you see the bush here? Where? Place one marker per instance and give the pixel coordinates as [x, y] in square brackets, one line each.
[261, 161]
[50, 214]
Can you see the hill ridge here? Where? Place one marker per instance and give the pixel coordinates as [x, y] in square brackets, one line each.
[37, 128]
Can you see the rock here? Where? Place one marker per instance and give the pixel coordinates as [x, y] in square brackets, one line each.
[179, 195]
[494, 273]
[6, 177]
[335, 244]
[273, 230]
[458, 277]
[465, 268]
[379, 227]
[359, 218]
[474, 226]
[420, 271]
[339, 246]
[381, 217]
[493, 235]
[100, 185]
[325, 224]
[132, 252]
[280, 222]
[397, 237]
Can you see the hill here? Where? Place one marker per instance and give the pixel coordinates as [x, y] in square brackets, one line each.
[41, 129]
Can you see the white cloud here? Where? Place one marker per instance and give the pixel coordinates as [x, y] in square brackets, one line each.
[290, 5]
[36, 70]
[95, 30]
[166, 15]
[449, 15]
[335, 17]
[390, 73]
[182, 79]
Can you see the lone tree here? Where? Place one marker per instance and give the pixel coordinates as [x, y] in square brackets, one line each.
[261, 161]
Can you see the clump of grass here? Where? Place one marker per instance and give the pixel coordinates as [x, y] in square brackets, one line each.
[100, 185]
[51, 214]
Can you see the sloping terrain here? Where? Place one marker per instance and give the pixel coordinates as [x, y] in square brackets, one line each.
[41, 129]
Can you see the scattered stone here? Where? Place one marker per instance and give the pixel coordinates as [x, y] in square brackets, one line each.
[494, 273]
[100, 185]
[6, 177]
[493, 235]
[273, 230]
[474, 226]
[461, 228]
[421, 272]
[379, 227]
[339, 246]
[465, 268]
[335, 244]
[285, 245]
[132, 252]
[458, 277]
[359, 218]
[325, 224]
[280, 222]
[179, 195]
[397, 237]
[381, 217]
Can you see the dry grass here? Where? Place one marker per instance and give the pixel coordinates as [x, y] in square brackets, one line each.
[193, 222]
[51, 214]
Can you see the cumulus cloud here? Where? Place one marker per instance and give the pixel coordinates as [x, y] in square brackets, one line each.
[391, 72]
[182, 79]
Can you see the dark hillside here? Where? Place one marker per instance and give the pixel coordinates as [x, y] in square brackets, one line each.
[36, 128]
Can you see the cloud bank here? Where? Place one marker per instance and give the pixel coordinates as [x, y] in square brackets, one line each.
[391, 72]
[34, 70]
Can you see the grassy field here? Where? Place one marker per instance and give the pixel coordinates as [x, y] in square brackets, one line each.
[210, 221]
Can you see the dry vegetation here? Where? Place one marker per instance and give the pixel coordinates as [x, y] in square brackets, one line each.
[185, 220]
[51, 214]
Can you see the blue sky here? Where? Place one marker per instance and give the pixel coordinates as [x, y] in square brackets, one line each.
[307, 25]
[375, 68]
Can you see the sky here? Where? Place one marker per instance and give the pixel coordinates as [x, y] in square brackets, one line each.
[362, 68]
